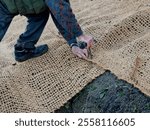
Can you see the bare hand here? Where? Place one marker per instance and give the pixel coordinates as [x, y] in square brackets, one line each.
[81, 53]
[88, 39]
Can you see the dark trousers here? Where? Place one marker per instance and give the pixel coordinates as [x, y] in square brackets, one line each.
[34, 29]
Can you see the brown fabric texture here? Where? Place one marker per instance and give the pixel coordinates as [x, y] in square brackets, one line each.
[121, 29]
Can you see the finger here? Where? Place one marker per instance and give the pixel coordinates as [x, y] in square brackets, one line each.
[90, 44]
[80, 56]
[85, 52]
[80, 53]
[83, 56]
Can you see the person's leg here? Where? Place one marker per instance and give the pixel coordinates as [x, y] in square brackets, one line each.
[25, 47]
[34, 29]
[64, 19]
[5, 19]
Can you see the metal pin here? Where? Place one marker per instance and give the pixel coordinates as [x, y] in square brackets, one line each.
[90, 56]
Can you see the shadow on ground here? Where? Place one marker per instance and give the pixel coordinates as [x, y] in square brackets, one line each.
[108, 94]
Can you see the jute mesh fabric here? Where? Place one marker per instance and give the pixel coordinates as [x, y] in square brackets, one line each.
[121, 29]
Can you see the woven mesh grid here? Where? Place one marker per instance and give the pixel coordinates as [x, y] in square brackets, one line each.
[122, 33]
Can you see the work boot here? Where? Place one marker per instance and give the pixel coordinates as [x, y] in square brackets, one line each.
[25, 54]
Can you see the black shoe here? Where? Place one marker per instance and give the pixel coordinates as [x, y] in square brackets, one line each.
[25, 54]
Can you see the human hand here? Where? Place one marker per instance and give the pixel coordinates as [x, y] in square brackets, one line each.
[81, 53]
[88, 39]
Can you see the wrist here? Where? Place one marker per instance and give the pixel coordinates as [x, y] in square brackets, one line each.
[73, 45]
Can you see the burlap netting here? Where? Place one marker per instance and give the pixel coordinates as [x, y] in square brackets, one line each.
[121, 29]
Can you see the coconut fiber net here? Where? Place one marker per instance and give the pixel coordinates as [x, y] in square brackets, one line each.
[121, 29]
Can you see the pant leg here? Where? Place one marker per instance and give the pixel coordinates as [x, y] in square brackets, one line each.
[64, 19]
[5, 19]
[34, 29]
